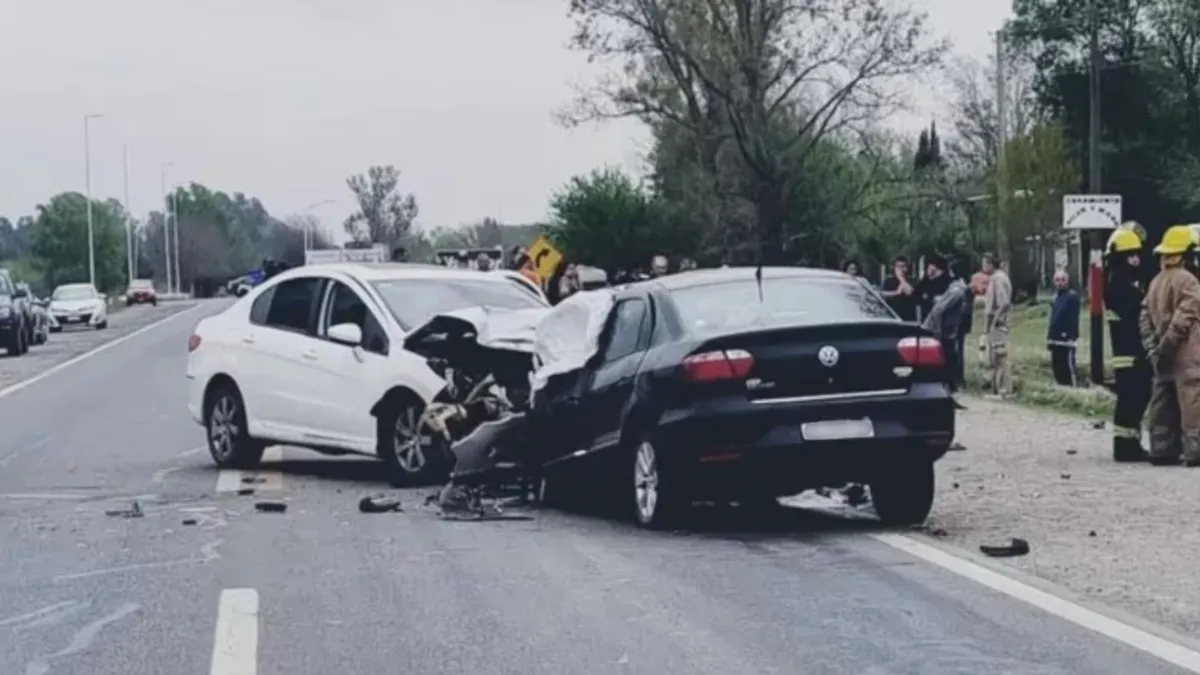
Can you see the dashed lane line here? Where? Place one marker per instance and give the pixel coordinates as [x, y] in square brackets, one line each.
[235, 647]
[232, 480]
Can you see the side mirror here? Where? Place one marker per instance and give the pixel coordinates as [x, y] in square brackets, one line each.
[20, 293]
[348, 334]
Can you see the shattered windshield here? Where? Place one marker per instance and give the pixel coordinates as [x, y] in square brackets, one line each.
[785, 302]
[415, 301]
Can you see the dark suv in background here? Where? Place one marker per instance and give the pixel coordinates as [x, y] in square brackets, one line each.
[16, 316]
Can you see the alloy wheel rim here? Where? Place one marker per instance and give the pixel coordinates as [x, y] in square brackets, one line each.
[223, 428]
[407, 441]
[645, 481]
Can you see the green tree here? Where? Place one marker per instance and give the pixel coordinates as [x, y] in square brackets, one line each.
[606, 220]
[384, 215]
[61, 241]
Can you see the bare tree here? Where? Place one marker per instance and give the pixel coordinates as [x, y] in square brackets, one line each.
[779, 75]
[976, 142]
[384, 215]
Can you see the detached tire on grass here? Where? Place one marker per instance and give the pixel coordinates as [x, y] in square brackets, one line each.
[904, 494]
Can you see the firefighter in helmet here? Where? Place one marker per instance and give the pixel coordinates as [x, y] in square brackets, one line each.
[1169, 322]
[1123, 293]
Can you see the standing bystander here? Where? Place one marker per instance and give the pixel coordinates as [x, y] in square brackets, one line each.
[1062, 331]
[997, 304]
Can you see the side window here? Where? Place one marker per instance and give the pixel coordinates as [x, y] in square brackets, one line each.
[345, 306]
[292, 303]
[5, 286]
[627, 329]
[261, 306]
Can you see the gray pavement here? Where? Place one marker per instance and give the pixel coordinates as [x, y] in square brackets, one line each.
[87, 593]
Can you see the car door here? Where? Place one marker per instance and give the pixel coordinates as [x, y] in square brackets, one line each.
[338, 384]
[612, 382]
[275, 342]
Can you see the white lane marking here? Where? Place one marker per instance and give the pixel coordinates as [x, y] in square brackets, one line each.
[38, 613]
[230, 480]
[1079, 615]
[14, 388]
[235, 648]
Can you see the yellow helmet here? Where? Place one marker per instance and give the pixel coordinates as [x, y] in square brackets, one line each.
[1136, 227]
[1177, 240]
[1123, 240]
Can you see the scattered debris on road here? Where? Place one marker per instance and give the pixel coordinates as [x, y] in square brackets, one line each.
[245, 492]
[270, 507]
[189, 521]
[134, 511]
[1098, 424]
[1015, 547]
[253, 480]
[379, 504]
[1065, 476]
[1072, 452]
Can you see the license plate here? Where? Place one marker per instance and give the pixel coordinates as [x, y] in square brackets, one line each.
[838, 430]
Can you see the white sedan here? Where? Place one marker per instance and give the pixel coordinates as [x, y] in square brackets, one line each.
[315, 357]
[79, 305]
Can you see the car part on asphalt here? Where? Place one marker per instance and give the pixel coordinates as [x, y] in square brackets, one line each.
[1015, 547]
[134, 511]
[270, 507]
[379, 504]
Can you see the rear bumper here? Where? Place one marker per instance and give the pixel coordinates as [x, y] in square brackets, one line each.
[730, 446]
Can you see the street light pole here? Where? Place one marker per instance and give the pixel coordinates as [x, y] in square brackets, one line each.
[308, 233]
[166, 224]
[128, 212]
[87, 178]
[175, 212]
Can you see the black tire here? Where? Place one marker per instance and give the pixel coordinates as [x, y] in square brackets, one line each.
[904, 495]
[232, 448]
[656, 502]
[154, 303]
[550, 488]
[102, 325]
[56, 330]
[16, 344]
[408, 458]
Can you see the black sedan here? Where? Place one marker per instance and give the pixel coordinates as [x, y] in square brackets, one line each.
[741, 385]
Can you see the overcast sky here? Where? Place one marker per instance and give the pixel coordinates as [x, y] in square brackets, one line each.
[282, 99]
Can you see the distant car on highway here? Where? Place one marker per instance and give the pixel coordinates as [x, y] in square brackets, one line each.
[78, 305]
[141, 291]
[16, 317]
[713, 385]
[315, 357]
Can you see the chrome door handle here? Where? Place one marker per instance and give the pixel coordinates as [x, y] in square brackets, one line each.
[310, 355]
[248, 339]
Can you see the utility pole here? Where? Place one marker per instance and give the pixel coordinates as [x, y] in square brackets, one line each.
[1001, 142]
[175, 213]
[166, 225]
[1096, 277]
[128, 212]
[87, 178]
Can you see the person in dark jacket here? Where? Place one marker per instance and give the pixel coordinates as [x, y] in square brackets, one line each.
[899, 292]
[933, 284]
[945, 319]
[1133, 376]
[1062, 331]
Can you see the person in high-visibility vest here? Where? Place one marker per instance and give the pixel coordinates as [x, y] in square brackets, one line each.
[1123, 293]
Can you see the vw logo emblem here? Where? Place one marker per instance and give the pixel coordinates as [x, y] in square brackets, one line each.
[828, 356]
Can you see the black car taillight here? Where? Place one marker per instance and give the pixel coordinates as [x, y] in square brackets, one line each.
[921, 352]
[728, 364]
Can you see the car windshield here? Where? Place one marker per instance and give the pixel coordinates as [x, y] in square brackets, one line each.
[141, 284]
[415, 301]
[792, 301]
[74, 293]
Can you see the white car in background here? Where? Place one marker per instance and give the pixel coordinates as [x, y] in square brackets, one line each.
[77, 305]
[315, 357]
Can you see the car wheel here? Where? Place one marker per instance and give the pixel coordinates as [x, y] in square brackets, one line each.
[229, 440]
[409, 457]
[154, 303]
[655, 505]
[15, 346]
[102, 325]
[549, 489]
[904, 494]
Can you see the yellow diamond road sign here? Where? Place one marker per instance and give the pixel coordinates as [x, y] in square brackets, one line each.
[544, 256]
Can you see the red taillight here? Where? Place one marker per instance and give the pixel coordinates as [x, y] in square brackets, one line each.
[730, 364]
[193, 342]
[921, 352]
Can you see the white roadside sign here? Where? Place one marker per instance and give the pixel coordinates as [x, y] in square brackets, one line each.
[1091, 212]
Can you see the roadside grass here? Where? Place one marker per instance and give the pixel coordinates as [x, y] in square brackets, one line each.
[1033, 379]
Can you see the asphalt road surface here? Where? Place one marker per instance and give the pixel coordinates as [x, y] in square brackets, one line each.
[202, 583]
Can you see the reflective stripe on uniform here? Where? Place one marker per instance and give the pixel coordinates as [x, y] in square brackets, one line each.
[1111, 316]
[1121, 362]
[1126, 432]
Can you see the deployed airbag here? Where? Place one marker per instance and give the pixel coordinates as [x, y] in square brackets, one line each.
[569, 335]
